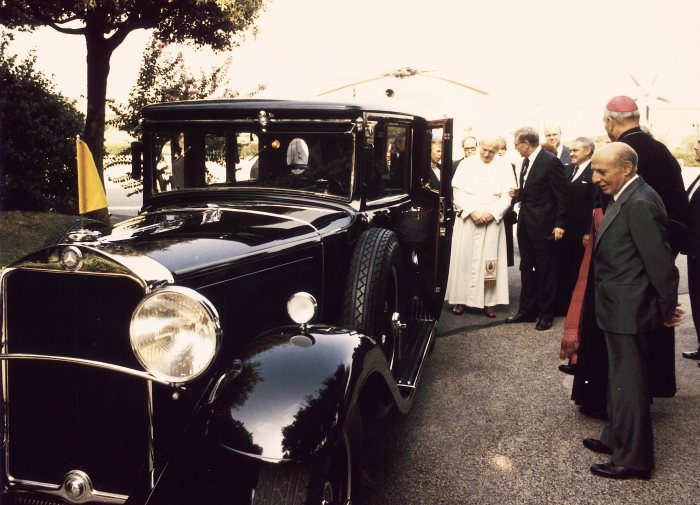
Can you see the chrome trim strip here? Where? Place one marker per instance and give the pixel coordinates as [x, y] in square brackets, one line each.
[150, 123]
[53, 490]
[87, 362]
[149, 272]
[410, 388]
[426, 351]
[151, 437]
[251, 455]
[245, 211]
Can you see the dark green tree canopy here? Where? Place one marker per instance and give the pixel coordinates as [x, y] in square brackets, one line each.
[203, 22]
[106, 23]
[38, 127]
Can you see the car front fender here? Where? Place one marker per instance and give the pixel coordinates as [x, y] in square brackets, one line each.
[290, 395]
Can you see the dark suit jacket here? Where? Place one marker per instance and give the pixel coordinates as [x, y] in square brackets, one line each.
[455, 163]
[581, 196]
[694, 216]
[663, 173]
[636, 280]
[565, 157]
[544, 198]
[434, 180]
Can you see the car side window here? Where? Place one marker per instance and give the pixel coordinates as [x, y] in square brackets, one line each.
[391, 162]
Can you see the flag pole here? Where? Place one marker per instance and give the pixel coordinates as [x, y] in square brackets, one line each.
[82, 216]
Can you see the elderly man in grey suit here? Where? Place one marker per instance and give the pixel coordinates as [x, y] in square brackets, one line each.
[636, 292]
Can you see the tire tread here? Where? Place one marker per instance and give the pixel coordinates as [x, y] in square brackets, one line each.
[372, 254]
[282, 484]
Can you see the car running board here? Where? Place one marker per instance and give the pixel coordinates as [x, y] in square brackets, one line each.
[408, 373]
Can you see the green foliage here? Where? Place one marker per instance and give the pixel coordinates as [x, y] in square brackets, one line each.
[37, 139]
[106, 23]
[686, 158]
[22, 233]
[685, 152]
[204, 22]
[164, 77]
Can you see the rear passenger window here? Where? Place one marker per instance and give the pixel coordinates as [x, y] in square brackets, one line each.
[391, 164]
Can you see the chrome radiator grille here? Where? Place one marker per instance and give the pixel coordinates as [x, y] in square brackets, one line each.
[64, 416]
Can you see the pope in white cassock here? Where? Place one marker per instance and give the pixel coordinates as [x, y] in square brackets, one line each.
[478, 274]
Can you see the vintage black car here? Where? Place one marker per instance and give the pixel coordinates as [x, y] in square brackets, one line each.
[279, 290]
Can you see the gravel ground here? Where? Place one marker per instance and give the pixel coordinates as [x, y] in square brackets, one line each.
[493, 424]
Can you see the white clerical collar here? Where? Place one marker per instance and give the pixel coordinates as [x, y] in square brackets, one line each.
[616, 195]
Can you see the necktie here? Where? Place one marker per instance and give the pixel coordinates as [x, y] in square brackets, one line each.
[573, 174]
[693, 187]
[523, 171]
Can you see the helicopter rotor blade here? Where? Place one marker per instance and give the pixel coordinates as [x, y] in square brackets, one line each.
[457, 83]
[356, 83]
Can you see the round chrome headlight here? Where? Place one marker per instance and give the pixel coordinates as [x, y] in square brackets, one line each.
[175, 333]
[301, 307]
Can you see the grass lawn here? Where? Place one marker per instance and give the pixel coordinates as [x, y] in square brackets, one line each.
[24, 232]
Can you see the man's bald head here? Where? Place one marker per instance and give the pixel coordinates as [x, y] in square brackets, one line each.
[613, 165]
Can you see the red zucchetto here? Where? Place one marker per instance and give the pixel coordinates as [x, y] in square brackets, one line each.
[621, 103]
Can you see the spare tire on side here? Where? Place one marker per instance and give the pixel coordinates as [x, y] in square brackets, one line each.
[373, 288]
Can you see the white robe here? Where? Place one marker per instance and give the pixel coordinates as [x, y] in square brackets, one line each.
[481, 187]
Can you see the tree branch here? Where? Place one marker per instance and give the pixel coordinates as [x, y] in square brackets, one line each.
[69, 31]
[132, 23]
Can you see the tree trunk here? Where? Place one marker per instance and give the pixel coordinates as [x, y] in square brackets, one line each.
[99, 52]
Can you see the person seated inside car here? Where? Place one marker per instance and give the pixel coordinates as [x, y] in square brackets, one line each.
[283, 172]
[298, 172]
[298, 156]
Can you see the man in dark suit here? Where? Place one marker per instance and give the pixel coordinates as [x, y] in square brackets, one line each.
[435, 159]
[581, 193]
[543, 196]
[662, 172]
[694, 256]
[469, 145]
[657, 165]
[636, 292]
[553, 135]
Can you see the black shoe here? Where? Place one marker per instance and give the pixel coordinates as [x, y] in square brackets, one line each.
[543, 324]
[612, 471]
[691, 354]
[568, 369]
[596, 445]
[520, 318]
[594, 412]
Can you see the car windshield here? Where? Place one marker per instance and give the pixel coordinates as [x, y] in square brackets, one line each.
[320, 162]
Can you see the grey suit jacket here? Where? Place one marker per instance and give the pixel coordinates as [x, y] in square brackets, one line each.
[636, 280]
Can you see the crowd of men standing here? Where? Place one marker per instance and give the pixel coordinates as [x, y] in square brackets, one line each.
[598, 233]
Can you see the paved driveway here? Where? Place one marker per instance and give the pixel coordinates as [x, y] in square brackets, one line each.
[493, 424]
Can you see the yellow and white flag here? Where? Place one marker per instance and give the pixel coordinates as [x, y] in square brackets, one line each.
[91, 194]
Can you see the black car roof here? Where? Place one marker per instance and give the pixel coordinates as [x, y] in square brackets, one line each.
[249, 108]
